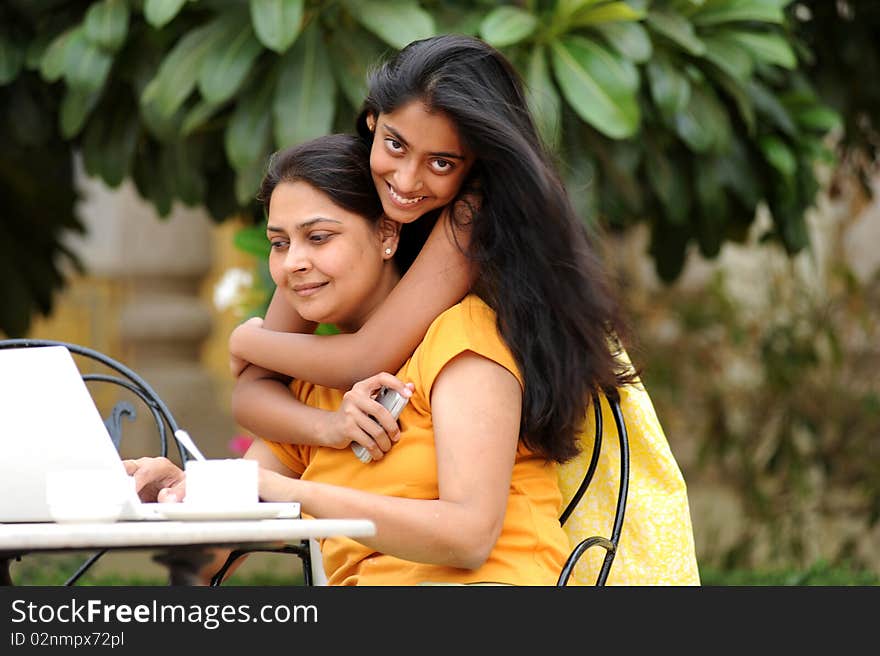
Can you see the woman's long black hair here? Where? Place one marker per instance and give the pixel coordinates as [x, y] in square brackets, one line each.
[537, 268]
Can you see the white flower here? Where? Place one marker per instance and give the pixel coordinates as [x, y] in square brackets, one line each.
[231, 287]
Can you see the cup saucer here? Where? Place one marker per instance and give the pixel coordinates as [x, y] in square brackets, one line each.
[196, 512]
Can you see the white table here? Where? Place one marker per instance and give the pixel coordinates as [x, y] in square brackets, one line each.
[182, 544]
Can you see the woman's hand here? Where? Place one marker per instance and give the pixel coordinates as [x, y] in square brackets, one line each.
[156, 479]
[237, 364]
[363, 420]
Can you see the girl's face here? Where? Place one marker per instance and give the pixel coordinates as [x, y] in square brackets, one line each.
[417, 159]
[332, 265]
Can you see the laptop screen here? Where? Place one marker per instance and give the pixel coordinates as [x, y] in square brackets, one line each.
[48, 421]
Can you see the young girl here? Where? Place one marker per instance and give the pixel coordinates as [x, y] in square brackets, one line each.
[460, 499]
[454, 148]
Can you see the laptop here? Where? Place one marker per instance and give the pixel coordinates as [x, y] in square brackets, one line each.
[49, 421]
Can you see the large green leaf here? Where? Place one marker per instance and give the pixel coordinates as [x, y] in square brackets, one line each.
[703, 125]
[75, 109]
[766, 47]
[86, 66]
[669, 184]
[352, 52]
[565, 9]
[819, 118]
[738, 93]
[198, 116]
[11, 59]
[728, 55]
[766, 103]
[181, 166]
[600, 86]
[247, 135]
[629, 39]
[727, 11]
[227, 64]
[277, 22]
[543, 99]
[305, 99]
[605, 13]
[397, 22]
[252, 240]
[457, 19]
[779, 155]
[109, 141]
[506, 25]
[180, 69]
[160, 12]
[670, 88]
[54, 60]
[151, 178]
[247, 183]
[106, 24]
[677, 29]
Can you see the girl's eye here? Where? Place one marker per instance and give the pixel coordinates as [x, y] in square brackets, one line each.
[277, 244]
[319, 237]
[442, 165]
[393, 145]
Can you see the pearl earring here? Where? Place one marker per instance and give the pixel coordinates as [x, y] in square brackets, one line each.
[387, 251]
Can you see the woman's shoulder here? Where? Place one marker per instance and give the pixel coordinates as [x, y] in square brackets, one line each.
[469, 325]
[469, 317]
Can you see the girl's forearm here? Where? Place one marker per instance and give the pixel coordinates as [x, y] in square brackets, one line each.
[265, 407]
[439, 278]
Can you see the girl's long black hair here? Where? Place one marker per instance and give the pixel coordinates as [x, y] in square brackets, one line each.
[538, 269]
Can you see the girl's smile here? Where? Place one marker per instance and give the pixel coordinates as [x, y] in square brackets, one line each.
[418, 161]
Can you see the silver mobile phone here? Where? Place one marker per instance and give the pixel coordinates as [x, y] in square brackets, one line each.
[393, 403]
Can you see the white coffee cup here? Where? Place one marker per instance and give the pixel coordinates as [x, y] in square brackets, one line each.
[86, 495]
[231, 482]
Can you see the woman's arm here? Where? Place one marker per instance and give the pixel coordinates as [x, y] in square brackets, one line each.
[476, 407]
[438, 278]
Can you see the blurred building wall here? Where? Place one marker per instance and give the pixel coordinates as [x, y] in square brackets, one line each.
[146, 300]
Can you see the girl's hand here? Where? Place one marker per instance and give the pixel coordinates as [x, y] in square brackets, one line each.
[362, 419]
[238, 364]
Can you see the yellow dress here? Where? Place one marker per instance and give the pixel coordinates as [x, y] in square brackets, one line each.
[657, 540]
[531, 547]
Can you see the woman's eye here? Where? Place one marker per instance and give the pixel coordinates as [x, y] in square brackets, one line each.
[442, 165]
[277, 244]
[393, 145]
[319, 237]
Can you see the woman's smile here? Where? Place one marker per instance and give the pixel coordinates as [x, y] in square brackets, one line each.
[308, 288]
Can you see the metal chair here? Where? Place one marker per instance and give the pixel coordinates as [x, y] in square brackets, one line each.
[609, 544]
[310, 558]
[127, 379]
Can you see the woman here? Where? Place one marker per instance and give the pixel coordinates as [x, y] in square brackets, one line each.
[460, 499]
[451, 135]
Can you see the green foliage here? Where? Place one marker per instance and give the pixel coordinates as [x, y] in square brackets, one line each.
[821, 573]
[189, 98]
[780, 389]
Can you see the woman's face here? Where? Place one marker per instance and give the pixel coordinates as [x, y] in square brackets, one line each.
[331, 264]
[418, 161]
